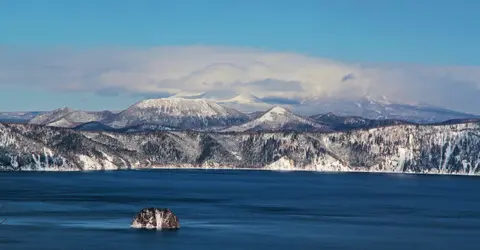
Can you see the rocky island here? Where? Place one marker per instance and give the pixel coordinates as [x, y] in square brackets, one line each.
[156, 218]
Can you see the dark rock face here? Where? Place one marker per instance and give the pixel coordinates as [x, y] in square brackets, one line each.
[156, 218]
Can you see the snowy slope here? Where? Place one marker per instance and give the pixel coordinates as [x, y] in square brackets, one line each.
[51, 116]
[190, 112]
[66, 117]
[440, 149]
[245, 103]
[343, 123]
[19, 116]
[378, 108]
[370, 107]
[278, 119]
[178, 112]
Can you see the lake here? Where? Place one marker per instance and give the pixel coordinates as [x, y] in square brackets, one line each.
[240, 210]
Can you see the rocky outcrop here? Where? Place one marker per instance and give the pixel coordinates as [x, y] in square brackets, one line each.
[156, 218]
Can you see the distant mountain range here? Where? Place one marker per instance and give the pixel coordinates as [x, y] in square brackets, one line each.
[19, 116]
[192, 112]
[66, 117]
[344, 123]
[380, 108]
[367, 107]
[200, 133]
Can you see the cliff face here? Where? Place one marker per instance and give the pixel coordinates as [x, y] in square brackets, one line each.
[451, 149]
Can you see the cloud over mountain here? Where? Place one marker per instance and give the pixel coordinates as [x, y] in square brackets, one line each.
[227, 70]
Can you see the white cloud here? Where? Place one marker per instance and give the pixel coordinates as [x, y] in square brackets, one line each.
[226, 70]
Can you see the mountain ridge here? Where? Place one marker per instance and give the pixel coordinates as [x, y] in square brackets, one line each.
[205, 114]
[278, 119]
[432, 149]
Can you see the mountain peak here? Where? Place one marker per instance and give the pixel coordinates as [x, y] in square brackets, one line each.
[245, 98]
[175, 112]
[245, 102]
[67, 117]
[274, 113]
[64, 110]
[278, 110]
[278, 119]
[171, 101]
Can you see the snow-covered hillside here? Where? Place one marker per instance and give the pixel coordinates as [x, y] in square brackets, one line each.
[370, 107]
[19, 116]
[278, 119]
[66, 117]
[245, 103]
[191, 113]
[443, 149]
[378, 108]
[343, 123]
[178, 112]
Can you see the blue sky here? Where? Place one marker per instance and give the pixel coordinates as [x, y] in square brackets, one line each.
[426, 32]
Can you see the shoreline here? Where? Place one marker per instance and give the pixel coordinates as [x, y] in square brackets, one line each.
[167, 167]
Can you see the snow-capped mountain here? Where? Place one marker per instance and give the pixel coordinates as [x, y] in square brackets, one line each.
[370, 107]
[19, 116]
[245, 103]
[51, 116]
[343, 123]
[278, 119]
[378, 108]
[192, 113]
[178, 112]
[440, 149]
[66, 117]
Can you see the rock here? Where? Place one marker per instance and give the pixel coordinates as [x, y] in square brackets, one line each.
[156, 218]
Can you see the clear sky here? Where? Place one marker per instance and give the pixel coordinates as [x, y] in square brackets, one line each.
[426, 32]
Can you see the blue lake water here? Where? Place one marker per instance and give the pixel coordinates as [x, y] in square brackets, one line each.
[240, 210]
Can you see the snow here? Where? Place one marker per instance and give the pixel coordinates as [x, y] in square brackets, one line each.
[88, 162]
[282, 164]
[67, 117]
[63, 123]
[183, 107]
[273, 114]
[245, 102]
[51, 116]
[159, 219]
[394, 149]
[273, 119]
[448, 153]
[177, 112]
[108, 162]
[244, 99]
[376, 107]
